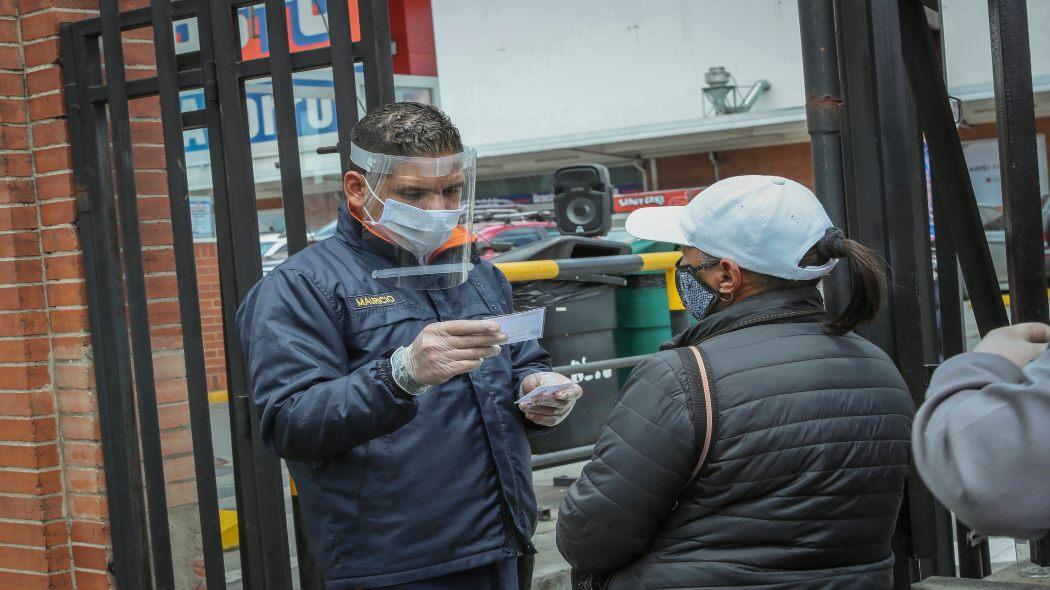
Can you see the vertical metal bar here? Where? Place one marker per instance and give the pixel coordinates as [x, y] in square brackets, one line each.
[820, 70]
[309, 574]
[189, 304]
[145, 386]
[1015, 119]
[974, 561]
[343, 77]
[109, 337]
[1018, 163]
[375, 39]
[953, 341]
[908, 247]
[260, 499]
[946, 151]
[284, 114]
[862, 163]
[138, 308]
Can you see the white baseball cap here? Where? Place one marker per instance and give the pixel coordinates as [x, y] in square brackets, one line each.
[766, 224]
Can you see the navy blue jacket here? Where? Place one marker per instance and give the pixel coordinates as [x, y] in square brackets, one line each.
[394, 488]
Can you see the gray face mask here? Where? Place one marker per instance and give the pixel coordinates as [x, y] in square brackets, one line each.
[420, 231]
[696, 296]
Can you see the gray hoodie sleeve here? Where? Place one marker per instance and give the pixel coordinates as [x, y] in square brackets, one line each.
[982, 443]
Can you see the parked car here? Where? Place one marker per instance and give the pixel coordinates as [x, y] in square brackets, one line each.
[993, 220]
[496, 238]
[278, 249]
[994, 232]
[268, 239]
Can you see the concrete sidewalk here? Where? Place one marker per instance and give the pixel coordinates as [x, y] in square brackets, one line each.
[552, 572]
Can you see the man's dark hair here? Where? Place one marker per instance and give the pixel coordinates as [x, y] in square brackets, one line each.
[407, 129]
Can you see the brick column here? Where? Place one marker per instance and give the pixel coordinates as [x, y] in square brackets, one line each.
[54, 529]
[53, 524]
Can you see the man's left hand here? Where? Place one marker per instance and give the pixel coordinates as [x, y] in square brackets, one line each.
[549, 410]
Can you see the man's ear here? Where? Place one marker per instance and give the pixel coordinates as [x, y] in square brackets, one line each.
[354, 190]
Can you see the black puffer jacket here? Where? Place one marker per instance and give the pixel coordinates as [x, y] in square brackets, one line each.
[802, 484]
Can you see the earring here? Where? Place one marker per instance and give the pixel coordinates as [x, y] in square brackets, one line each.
[731, 297]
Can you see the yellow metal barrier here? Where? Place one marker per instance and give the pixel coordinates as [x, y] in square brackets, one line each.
[539, 270]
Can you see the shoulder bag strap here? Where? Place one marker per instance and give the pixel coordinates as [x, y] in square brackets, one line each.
[701, 399]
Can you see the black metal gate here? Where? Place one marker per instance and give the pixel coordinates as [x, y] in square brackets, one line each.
[99, 91]
[875, 91]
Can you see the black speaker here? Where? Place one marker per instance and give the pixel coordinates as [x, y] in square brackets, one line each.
[583, 200]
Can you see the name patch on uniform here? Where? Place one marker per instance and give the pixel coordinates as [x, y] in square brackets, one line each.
[358, 302]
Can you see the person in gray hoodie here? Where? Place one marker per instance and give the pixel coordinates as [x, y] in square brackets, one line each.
[982, 438]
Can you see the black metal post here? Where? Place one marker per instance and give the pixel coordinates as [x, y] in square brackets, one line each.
[375, 41]
[974, 560]
[138, 311]
[189, 305]
[343, 77]
[820, 69]
[263, 532]
[1019, 168]
[105, 290]
[908, 247]
[284, 117]
[862, 159]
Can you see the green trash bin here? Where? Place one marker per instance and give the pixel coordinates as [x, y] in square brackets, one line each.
[643, 321]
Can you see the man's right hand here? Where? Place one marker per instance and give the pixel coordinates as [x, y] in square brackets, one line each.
[1019, 344]
[446, 349]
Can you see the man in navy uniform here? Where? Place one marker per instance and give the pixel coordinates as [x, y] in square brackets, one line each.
[376, 376]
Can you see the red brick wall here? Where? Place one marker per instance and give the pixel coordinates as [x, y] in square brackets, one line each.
[54, 527]
[211, 313]
[794, 161]
[53, 523]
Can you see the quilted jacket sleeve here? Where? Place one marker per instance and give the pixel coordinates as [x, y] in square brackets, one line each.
[980, 442]
[309, 404]
[641, 462]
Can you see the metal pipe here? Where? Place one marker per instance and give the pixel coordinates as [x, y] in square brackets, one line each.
[756, 90]
[616, 363]
[538, 270]
[654, 179]
[637, 163]
[820, 72]
[562, 457]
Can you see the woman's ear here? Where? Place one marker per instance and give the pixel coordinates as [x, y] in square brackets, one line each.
[730, 278]
[354, 190]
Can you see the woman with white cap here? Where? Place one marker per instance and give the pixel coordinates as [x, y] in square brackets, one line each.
[768, 445]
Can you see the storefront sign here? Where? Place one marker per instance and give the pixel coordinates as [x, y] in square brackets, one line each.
[307, 28]
[982, 161]
[634, 201]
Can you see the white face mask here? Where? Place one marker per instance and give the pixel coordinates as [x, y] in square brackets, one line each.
[420, 231]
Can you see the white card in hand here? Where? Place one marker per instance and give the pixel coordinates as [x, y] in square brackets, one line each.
[519, 327]
[543, 390]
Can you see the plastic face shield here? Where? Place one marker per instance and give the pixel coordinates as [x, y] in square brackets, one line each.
[425, 208]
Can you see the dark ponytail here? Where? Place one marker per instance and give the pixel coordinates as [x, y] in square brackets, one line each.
[866, 276]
